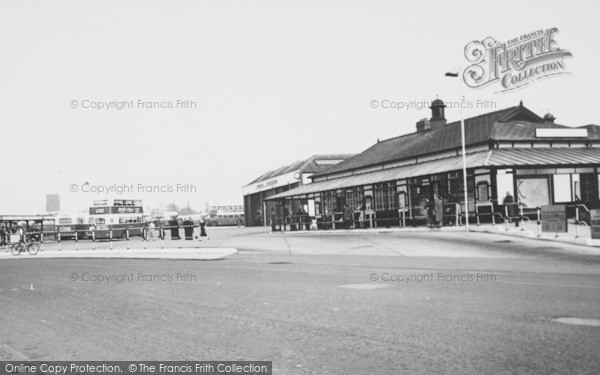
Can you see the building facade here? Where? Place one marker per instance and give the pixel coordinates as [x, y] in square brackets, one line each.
[510, 152]
[279, 180]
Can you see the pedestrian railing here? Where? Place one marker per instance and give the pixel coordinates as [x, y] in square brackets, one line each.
[582, 217]
[91, 235]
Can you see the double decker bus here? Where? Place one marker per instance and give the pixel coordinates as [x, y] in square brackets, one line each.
[226, 215]
[116, 216]
[67, 224]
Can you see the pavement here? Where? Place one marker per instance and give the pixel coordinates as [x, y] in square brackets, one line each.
[576, 234]
[139, 253]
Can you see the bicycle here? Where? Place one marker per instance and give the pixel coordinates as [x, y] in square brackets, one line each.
[31, 247]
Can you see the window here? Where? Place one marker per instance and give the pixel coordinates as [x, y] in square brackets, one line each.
[329, 202]
[455, 184]
[385, 197]
[483, 191]
[562, 188]
[533, 192]
[504, 183]
[354, 197]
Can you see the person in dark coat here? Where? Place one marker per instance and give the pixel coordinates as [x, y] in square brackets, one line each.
[430, 209]
[348, 213]
[188, 226]
[174, 224]
[2, 236]
[202, 228]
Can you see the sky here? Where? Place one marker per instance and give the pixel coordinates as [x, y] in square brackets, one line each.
[266, 83]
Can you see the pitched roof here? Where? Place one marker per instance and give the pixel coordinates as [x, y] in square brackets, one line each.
[513, 123]
[315, 163]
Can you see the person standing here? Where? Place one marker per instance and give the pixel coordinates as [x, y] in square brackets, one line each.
[174, 224]
[151, 227]
[508, 199]
[202, 228]
[273, 220]
[348, 216]
[510, 205]
[439, 210]
[188, 228]
[430, 211]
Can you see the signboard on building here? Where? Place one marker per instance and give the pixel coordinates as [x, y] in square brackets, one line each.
[554, 219]
[595, 220]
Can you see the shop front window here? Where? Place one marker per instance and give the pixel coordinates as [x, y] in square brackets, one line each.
[329, 202]
[385, 196]
[504, 183]
[354, 197]
[533, 192]
[562, 188]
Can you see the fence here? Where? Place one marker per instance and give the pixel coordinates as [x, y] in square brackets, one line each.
[90, 236]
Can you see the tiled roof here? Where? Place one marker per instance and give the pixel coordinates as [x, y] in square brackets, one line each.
[513, 123]
[310, 165]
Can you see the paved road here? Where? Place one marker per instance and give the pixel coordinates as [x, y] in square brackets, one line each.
[441, 303]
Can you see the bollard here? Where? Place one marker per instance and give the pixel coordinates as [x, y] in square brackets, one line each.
[539, 234]
[162, 238]
[58, 236]
[110, 238]
[145, 237]
[93, 239]
[76, 241]
[127, 235]
[41, 241]
[456, 214]
[576, 221]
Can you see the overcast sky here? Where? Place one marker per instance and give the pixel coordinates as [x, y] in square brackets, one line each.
[273, 82]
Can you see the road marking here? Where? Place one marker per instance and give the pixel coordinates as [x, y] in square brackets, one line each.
[365, 286]
[549, 284]
[579, 321]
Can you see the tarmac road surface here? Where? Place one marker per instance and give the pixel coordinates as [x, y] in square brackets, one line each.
[390, 303]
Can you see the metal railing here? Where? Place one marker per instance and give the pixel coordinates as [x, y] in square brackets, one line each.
[146, 234]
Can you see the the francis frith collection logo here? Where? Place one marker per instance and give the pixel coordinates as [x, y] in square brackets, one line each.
[514, 63]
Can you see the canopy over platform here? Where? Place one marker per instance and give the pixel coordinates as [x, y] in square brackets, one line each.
[557, 156]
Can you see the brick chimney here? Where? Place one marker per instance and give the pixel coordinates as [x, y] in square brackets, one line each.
[423, 125]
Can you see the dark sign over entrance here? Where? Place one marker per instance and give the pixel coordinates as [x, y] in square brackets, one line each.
[554, 219]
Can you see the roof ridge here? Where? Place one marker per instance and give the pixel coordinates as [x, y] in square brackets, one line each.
[450, 123]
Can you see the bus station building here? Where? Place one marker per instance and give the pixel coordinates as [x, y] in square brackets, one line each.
[512, 151]
[282, 179]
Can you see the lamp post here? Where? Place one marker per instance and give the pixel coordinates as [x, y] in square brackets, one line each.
[464, 153]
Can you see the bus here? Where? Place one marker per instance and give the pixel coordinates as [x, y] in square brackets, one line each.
[67, 224]
[116, 216]
[226, 215]
[32, 226]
